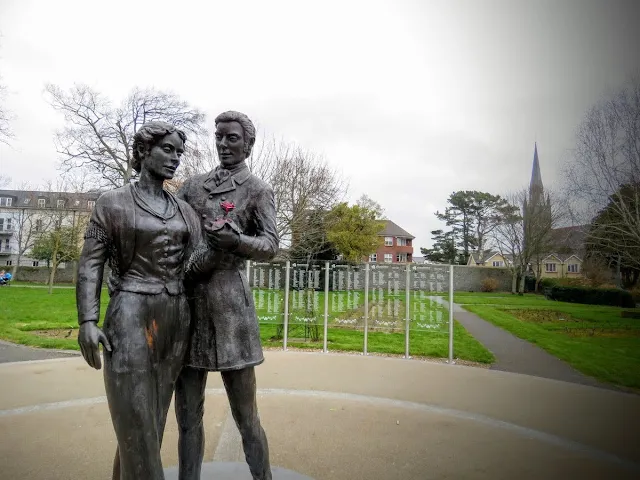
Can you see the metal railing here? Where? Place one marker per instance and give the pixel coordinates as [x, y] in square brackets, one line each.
[306, 302]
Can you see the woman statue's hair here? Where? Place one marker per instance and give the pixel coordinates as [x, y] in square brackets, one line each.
[149, 135]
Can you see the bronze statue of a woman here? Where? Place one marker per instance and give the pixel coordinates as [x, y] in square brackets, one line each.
[147, 236]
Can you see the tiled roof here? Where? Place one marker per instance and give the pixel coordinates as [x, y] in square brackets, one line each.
[487, 254]
[569, 239]
[393, 230]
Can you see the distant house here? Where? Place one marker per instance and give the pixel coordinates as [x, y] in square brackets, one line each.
[419, 260]
[558, 265]
[396, 246]
[490, 259]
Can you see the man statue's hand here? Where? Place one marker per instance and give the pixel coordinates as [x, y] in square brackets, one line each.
[224, 238]
[89, 338]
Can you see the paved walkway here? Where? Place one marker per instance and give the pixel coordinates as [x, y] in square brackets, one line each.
[342, 417]
[10, 352]
[516, 355]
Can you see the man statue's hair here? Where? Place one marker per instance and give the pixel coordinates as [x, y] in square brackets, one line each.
[148, 135]
[246, 124]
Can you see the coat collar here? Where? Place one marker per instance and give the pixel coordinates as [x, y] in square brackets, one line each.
[229, 184]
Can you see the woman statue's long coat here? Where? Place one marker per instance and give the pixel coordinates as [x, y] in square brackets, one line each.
[226, 335]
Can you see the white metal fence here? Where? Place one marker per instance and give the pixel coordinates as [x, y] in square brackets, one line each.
[302, 302]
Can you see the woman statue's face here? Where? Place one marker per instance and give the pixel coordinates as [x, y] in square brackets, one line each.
[164, 157]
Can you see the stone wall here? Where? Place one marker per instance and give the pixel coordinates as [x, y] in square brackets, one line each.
[389, 277]
[433, 278]
[469, 279]
[41, 275]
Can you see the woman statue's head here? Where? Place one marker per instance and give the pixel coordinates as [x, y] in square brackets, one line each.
[157, 149]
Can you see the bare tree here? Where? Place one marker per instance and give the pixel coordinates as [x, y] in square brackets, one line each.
[523, 236]
[98, 136]
[28, 224]
[304, 186]
[509, 238]
[60, 227]
[370, 204]
[4, 181]
[6, 133]
[604, 175]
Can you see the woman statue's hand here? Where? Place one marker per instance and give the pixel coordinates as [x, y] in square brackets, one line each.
[89, 338]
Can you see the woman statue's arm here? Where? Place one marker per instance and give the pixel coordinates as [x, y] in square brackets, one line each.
[95, 253]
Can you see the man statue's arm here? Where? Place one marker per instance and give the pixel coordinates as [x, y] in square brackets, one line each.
[264, 245]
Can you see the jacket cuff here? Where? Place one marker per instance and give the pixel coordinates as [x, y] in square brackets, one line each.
[85, 320]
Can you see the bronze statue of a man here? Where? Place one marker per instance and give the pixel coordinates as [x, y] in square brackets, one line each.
[238, 216]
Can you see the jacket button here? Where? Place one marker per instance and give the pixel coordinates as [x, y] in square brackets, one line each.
[211, 196]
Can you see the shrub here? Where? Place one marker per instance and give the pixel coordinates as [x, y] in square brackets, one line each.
[635, 293]
[573, 282]
[489, 285]
[548, 282]
[529, 284]
[593, 296]
[596, 271]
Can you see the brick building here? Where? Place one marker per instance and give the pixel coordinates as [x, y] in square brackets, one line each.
[397, 245]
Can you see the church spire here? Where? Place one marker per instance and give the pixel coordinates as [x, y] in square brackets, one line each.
[536, 187]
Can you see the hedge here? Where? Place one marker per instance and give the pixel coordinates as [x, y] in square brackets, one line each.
[594, 296]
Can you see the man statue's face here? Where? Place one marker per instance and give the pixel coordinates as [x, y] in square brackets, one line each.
[230, 143]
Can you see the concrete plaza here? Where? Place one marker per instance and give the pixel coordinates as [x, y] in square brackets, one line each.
[331, 416]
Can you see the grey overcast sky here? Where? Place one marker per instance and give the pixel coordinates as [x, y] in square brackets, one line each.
[411, 100]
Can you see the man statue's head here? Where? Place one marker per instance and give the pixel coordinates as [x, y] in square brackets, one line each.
[235, 136]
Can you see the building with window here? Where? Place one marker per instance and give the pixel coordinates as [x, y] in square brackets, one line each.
[396, 245]
[25, 215]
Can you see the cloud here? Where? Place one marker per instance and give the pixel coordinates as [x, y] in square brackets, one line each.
[410, 99]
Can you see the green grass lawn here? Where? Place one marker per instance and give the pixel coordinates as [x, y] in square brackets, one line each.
[500, 299]
[31, 316]
[594, 339]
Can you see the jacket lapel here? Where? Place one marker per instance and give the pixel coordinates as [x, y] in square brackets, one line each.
[122, 224]
[228, 185]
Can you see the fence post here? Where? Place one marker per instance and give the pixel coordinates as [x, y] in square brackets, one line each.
[366, 307]
[407, 301]
[451, 314]
[286, 304]
[326, 306]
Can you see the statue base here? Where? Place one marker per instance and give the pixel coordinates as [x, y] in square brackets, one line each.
[234, 471]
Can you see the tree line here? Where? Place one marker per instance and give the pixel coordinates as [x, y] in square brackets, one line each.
[600, 198]
[314, 220]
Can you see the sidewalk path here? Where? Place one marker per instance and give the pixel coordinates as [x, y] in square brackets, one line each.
[341, 417]
[10, 352]
[516, 355]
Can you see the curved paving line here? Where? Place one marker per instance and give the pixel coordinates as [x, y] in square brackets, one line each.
[530, 433]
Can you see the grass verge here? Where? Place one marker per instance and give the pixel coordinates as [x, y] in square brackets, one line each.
[596, 341]
[27, 314]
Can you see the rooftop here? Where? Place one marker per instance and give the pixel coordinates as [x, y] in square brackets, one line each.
[29, 199]
[393, 230]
